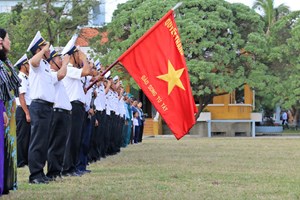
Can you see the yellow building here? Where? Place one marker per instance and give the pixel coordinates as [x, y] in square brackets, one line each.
[228, 115]
[230, 106]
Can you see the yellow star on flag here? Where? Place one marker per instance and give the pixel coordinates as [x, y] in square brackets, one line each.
[172, 77]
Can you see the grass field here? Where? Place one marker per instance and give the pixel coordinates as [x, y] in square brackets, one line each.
[192, 168]
[291, 132]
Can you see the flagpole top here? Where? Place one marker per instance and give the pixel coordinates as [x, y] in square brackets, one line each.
[177, 6]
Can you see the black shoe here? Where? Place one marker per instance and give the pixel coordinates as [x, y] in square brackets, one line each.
[80, 172]
[65, 174]
[73, 174]
[46, 178]
[86, 171]
[38, 181]
[50, 178]
[76, 174]
[21, 166]
[6, 191]
[59, 177]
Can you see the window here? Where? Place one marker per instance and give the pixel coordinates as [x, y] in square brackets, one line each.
[239, 95]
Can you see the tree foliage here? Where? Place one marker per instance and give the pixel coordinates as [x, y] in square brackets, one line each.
[283, 59]
[281, 55]
[222, 41]
[271, 14]
[57, 21]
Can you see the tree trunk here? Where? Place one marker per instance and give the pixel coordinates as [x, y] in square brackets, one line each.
[51, 37]
[295, 115]
[200, 108]
[203, 102]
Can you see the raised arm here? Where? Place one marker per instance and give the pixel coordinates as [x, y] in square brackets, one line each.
[86, 69]
[35, 60]
[62, 72]
[107, 86]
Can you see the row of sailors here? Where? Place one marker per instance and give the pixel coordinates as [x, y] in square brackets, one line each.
[59, 112]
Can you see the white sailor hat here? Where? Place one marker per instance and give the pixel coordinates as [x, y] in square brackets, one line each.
[53, 53]
[91, 60]
[37, 41]
[116, 78]
[107, 75]
[70, 48]
[23, 60]
[98, 64]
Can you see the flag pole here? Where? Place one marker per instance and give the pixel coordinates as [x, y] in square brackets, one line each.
[103, 73]
[177, 6]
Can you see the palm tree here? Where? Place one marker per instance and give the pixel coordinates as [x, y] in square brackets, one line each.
[269, 12]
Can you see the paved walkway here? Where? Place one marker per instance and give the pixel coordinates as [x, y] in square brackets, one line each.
[295, 135]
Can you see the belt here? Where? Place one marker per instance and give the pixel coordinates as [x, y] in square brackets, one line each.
[21, 106]
[100, 111]
[62, 110]
[78, 102]
[43, 102]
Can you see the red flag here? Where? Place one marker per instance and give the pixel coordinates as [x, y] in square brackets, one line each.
[156, 62]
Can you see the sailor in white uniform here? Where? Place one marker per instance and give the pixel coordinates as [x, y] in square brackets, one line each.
[98, 141]
[22, 112]
[42, 93]
[61, 120]
[78, 67]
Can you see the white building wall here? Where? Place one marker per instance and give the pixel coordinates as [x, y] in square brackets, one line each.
[6, 6]
[101, 14]
[110, 7]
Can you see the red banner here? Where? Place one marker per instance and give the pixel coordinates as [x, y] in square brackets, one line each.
[156, 62]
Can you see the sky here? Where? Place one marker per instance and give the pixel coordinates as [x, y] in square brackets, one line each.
[293, 4]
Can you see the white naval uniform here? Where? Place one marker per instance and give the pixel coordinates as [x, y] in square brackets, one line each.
[88, 96]
[24, 89]
[60, 129]
[115, 103]
[100, 99]
[122, 107]
[77, 97]
[61, 97]
[41, 82]
[22, 126]
[42, 93]
[73, 85]
[108, 102]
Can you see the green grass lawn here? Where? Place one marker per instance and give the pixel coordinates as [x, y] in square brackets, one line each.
[192, 168]
[291, 132]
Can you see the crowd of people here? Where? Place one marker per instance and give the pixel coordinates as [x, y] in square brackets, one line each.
[58, 119]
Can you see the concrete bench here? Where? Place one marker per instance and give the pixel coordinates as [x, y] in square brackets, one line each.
[269, 129]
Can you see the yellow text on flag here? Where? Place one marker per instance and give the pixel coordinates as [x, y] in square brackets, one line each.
[174, 33]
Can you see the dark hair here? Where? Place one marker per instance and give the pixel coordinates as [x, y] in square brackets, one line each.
[2, 33]
[3, 56]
